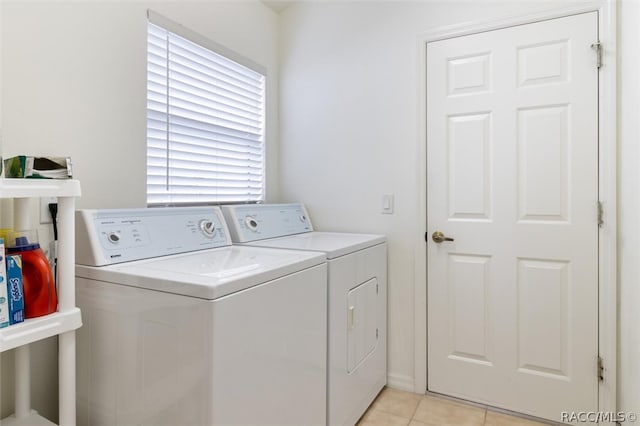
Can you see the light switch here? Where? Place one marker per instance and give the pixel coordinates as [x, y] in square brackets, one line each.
[387, 204]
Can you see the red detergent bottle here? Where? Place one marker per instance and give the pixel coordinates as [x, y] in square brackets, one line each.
[37, 279]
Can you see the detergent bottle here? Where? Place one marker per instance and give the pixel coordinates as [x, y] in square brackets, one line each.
[37, 279]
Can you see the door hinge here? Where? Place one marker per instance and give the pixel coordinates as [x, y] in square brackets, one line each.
[597, 46]
[600, 214]
[600, 369]
[377, 289]
[376, 333]
[426, 236]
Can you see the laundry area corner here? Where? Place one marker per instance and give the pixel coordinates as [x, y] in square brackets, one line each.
[342, 128]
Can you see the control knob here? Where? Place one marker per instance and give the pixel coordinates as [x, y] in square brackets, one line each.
[208, 228]
[251, 223]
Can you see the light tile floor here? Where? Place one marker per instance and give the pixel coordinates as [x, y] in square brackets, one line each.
[397, 408]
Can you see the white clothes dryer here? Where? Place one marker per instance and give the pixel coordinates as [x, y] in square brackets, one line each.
[357, 304]
[182, 328]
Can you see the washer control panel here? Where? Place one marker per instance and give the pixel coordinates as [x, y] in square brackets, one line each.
[104, 237]
[253, 222]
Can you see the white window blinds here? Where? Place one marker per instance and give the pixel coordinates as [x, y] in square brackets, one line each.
[205, 124]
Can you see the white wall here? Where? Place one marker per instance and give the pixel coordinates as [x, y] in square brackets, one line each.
[74, 83]
[349, 133]
[1, 8]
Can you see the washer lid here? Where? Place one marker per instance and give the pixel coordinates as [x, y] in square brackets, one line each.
[334, 244]
[206, 274]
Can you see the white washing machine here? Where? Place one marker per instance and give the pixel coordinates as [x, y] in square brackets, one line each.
[357, 291]
[182, 328]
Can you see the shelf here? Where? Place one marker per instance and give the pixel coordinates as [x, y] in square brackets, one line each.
[27, 188]
[34, 329]
[33, 419]
[62, 323]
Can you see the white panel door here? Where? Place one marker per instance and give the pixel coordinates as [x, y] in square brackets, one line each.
[512, 147]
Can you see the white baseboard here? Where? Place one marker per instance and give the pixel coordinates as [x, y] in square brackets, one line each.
[401, 382]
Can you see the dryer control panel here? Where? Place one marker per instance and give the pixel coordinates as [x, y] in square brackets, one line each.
[253, 222]
[104, 237]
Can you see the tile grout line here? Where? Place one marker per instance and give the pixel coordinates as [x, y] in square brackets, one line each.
[413, 416]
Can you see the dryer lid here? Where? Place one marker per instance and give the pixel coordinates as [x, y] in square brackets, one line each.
[333, 244]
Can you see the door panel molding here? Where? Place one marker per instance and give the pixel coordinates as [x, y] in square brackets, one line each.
[607, 182]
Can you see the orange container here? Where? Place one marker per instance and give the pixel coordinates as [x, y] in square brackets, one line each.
[39, 285]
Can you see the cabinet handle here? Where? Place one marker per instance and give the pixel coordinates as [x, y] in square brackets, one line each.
[351, 317]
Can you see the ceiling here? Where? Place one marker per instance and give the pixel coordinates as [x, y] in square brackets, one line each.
[277, 5]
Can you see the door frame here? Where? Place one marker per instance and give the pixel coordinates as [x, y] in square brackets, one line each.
[607, 189]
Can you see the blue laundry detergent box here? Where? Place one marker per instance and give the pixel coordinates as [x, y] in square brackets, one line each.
[4, 302]
[15, 290]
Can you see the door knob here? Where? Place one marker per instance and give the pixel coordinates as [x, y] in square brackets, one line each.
[439, 237]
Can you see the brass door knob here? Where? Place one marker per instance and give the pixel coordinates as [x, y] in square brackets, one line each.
[439, 237]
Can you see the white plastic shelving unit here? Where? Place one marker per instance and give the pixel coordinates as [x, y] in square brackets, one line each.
[62, 323]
